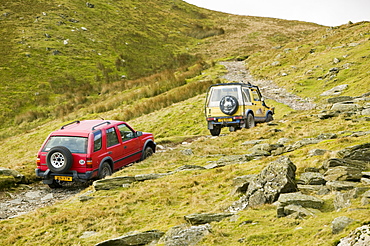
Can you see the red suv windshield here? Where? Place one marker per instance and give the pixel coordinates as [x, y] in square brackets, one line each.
[74, 144]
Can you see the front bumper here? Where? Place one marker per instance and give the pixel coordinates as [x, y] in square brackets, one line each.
[48, 176]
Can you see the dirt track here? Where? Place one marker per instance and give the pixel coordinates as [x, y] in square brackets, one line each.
[239, 73]
[33, 197]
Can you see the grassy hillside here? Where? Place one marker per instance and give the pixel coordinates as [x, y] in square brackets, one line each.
[303, 67]
[63, 52]
[60, 56]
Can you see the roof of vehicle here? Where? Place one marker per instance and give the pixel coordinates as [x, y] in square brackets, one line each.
[235, 83]
[84, 128]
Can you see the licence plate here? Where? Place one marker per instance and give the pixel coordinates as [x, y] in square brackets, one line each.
[225, 119]
[63, 178]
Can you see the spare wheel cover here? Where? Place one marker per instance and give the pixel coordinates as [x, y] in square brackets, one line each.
[229, 105]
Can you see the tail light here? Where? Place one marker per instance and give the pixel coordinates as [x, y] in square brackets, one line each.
[211, 119]
[89, 163]
[237, 117]
[38, 161]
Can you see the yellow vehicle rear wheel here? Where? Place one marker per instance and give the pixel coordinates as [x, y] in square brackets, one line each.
[250, 121]
[215, 131]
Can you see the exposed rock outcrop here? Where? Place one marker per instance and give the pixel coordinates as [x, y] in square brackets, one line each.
[206, 218]
[185, 235]
[299, 203]
[337, 90]
[277, 178]
[112, 183]
[134, 239]
[340, 223]
[343, 173]
[346, 105]
[311, 178]
[359, 237]
[18, 177]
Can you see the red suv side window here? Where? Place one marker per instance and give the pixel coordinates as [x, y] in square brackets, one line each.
[97, 140]
[126, 132]
[112, 138]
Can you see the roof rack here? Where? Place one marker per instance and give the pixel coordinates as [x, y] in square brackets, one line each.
[105, 122]
[235, 83]
[77, 122]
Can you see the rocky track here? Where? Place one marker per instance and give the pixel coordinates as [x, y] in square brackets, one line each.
[33, 197]
[239, 73]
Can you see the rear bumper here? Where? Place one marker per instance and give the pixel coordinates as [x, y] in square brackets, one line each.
[217, 123]
[48, 176]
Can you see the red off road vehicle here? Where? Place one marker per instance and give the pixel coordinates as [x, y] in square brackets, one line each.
[90, 149]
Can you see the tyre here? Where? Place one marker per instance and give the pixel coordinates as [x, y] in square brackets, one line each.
[250, 121]
[105, 171]
[229, 105]
[59, 159]
[269, 117]
[147, 153]
[215, 131]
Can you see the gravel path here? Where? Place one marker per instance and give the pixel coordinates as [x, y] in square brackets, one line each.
[239, 73]
[33, 197]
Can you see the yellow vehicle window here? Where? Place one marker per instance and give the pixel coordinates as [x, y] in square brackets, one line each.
[218, 93]
[246, 95]
[256, 96]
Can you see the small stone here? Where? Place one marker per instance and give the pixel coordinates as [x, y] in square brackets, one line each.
[47, 197]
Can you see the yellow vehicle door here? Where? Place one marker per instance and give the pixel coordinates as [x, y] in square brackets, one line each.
[257, 107]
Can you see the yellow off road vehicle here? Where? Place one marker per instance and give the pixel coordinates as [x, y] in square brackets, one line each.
[235, 105]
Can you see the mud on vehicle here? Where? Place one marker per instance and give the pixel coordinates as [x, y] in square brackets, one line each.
[235, 105]
[90, 149]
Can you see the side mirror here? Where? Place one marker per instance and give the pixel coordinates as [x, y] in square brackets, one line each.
[139, 133]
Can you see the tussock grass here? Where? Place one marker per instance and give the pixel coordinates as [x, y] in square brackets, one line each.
[201, 32]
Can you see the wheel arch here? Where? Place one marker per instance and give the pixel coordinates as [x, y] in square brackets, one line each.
[108, 160]
[249, 111]
[149, 143]
[269, 112]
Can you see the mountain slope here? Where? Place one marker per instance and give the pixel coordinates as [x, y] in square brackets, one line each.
[57, 57]
[309, 67]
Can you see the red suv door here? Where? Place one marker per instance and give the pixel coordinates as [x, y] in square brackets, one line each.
[114, 148]
[131, 143]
